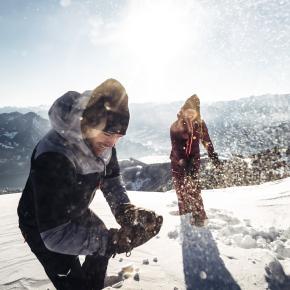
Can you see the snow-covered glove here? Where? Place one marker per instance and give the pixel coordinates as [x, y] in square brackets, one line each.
[128, 214]
[125, 239]
[138, 225]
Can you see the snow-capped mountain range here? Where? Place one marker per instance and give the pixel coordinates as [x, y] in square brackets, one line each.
[19, 133]
[243, 126]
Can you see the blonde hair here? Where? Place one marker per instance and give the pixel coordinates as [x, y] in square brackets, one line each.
[192, 103]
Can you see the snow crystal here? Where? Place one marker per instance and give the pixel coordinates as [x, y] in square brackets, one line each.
[202, 275]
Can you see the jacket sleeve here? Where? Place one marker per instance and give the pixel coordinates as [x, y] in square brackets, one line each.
[177, 152]
[53, 179]
[206, 141]
[113, 186]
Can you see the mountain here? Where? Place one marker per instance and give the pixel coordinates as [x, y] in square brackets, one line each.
[19, 133]
[241, 127]
[41, 110]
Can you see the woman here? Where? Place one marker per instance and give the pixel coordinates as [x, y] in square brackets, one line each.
[186, 133]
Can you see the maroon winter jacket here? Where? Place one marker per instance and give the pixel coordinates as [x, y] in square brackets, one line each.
[185, 145]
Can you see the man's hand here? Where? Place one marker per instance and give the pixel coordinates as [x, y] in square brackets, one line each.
[128, 214]
[138, 225]
[125, 239]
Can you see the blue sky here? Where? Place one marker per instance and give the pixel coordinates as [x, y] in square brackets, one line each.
[161, 50]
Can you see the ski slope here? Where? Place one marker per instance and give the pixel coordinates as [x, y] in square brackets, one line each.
[246, 240]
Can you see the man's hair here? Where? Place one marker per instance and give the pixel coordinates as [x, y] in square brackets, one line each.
[107, 109]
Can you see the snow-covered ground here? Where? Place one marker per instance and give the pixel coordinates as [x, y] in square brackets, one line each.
[155, 159]
[246, 244]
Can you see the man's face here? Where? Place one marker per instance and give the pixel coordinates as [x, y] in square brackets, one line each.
[100, 140]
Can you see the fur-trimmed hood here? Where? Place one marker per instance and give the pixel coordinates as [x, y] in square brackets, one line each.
[66, 136]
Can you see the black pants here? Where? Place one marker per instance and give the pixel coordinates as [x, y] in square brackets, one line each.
[66, 271]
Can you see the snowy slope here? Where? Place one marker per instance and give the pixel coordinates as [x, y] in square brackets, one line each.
[248, 238]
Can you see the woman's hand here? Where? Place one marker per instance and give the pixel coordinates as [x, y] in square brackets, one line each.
[215, 160]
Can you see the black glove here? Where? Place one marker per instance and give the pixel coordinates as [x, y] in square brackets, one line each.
[138, 225]
[125, 239]
[128, 214]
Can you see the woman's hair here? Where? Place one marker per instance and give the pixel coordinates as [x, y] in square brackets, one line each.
[193, 103]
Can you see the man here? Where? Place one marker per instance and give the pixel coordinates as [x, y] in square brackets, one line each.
[76, 157]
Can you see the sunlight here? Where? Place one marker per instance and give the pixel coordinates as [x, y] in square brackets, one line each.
[158, 31]
[152, 32]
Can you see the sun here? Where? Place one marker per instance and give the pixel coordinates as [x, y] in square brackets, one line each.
[159, 30]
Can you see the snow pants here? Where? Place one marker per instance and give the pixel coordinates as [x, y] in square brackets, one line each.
[187, 187]
[66, 271]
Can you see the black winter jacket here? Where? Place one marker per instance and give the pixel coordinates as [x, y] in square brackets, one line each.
[63, 178]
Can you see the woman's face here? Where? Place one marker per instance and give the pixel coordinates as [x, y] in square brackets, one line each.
[191, 114]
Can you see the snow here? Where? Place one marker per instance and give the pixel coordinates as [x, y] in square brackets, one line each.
[154, 159]
[246, 244]
[6, 146]
[10, 135]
